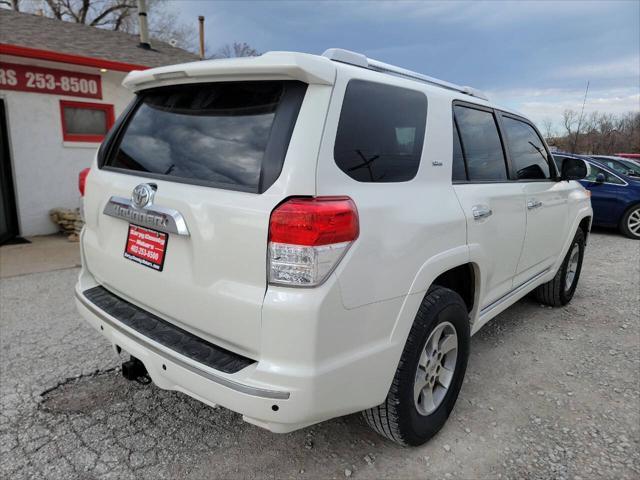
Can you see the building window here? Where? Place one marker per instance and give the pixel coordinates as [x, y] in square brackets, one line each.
[85, 122]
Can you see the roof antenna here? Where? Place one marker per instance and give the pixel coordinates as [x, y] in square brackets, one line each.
[144, 28]
[575, 140]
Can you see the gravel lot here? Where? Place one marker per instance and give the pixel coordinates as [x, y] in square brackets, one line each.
[549, 393]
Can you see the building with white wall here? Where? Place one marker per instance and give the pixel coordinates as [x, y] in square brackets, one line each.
[60, 91]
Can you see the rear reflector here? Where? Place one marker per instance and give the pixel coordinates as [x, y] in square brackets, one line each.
[308, 237]
[82, 180]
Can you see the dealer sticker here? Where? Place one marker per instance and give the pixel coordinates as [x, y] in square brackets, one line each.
[146, 247]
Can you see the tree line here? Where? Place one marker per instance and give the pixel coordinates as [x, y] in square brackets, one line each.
[595, 133]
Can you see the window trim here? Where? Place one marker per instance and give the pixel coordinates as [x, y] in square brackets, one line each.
[423, 131]
[507, 159]
[107, 108]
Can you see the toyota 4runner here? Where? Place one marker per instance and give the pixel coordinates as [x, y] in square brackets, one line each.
[298, 237]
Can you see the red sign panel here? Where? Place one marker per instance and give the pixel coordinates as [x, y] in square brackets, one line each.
[146, 247]
[27, 78]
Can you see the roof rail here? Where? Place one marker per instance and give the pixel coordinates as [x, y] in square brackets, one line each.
[360, 60]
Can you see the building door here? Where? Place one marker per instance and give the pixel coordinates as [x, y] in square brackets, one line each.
[8, 216]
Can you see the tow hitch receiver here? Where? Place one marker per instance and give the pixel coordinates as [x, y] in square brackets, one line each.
[135, 370]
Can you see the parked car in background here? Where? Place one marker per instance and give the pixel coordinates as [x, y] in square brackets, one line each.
[615, 197]
[632, 156]
[619, 164]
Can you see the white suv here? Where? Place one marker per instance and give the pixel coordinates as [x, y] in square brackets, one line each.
[298, 237]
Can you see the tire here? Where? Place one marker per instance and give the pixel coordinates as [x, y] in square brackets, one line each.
[630, 223]
[560, 290]
[444, 313]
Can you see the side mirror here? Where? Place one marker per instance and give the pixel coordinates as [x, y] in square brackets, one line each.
[600, 178]
[573, 169]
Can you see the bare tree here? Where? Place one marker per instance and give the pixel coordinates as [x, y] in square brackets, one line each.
[602, 133]
[548, 130]
[236, 49]
[119, 15]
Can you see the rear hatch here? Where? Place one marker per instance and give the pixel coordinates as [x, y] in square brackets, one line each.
[216, 159]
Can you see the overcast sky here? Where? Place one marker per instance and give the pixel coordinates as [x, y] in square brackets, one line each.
[534, 56]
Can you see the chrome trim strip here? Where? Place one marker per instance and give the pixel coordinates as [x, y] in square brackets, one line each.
[238, 387]
[512, 292]
[163, 219]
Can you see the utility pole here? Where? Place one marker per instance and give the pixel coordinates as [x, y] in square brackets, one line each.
[575, 140]
[201, 22]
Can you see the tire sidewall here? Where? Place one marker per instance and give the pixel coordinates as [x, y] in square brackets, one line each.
[567, 295]
[417, 427]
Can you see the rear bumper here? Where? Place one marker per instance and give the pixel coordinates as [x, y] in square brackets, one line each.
[300, 379]
[172, 371]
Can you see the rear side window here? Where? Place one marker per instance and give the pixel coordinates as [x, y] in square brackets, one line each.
[380, 132]
[481, 144]
[230, 135]
[527, 152]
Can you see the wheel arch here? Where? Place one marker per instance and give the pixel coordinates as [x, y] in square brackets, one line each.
[445, 269]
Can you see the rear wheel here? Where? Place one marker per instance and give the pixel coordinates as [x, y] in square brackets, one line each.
[630, 224]
[560, 290]
[430, 372]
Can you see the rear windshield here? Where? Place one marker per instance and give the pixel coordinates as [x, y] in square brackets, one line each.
[230, 135]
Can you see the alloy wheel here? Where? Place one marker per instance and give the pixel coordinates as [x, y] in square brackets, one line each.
[435, 368]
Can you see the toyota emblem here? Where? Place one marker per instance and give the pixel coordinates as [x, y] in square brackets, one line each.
[142, 195]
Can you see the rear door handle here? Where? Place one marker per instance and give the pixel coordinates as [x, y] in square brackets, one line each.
[531, 204]
[481, 211]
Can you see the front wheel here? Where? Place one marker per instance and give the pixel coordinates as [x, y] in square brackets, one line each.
[630, 224]
[560, 290]
[430, 373]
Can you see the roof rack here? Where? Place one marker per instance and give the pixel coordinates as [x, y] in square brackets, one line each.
[360, 60]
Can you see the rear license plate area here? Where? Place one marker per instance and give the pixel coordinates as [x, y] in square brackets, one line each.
[146, 247]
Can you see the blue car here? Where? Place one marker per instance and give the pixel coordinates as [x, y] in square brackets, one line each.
[615, 197]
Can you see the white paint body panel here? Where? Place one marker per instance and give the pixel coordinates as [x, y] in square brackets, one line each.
[334, 348]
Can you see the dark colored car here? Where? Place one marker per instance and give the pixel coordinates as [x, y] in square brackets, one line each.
[615, 197]
[619, 164]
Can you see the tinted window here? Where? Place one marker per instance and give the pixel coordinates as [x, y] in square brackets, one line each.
[380, 132]
[217, 133]
[458, 172]
[529, 157]
[481, 144]
[593, 172]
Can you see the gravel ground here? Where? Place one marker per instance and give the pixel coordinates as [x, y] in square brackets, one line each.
[549, 393]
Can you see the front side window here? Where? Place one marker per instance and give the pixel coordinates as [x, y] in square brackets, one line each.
[380, 132]
[230, 135]
[526, 150]
[593, 172]
[481, 144]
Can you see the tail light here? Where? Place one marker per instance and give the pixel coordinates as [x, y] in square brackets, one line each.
[308, 237]
[82, 180]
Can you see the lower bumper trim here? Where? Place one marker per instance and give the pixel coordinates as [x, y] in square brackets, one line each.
[150, 345]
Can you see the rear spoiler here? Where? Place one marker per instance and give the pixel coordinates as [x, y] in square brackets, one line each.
[270, 66]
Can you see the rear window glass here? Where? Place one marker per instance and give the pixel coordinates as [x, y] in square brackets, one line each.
[380, 132]
[481, 144]
[230, 134]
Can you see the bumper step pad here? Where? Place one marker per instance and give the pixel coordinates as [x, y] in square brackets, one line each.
[166, 334]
